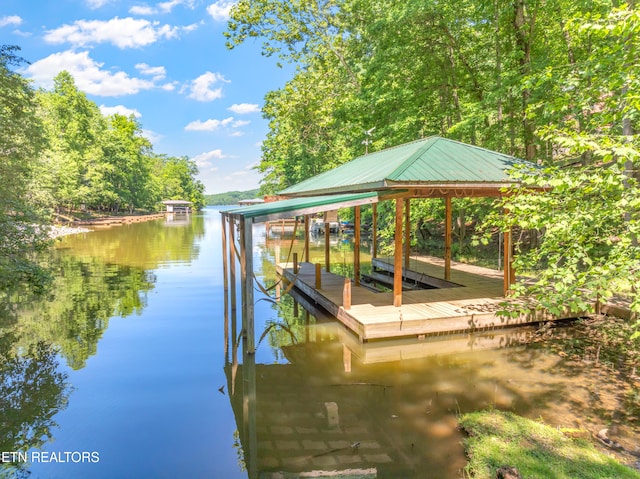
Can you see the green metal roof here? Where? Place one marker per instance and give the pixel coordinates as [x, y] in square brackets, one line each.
[301, 206]
[432, 161]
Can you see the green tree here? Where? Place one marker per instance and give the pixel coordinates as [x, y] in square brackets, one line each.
[22, 217]
[177, 179]
[128, 166]
[588, 218]
[74, 127]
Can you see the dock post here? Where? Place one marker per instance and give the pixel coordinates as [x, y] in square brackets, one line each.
[356, 245]
[318, 276]
[225, 271]
[397, 256]
[506, 248]
[295, 263]
[327, 259]
[447, 238]
[374, 230]
[346, 294]
[246, 271]
[306, 238]
[407, 233]
[232, 262]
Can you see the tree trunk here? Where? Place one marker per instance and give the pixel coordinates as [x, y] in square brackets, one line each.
[523, 26]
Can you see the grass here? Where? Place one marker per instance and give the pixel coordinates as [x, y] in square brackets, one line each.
[498, 439]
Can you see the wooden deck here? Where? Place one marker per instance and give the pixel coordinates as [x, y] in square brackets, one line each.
[469, 306]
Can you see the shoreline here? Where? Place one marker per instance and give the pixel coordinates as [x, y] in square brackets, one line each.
[58, 231]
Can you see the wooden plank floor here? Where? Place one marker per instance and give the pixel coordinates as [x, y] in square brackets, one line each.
[472, 306]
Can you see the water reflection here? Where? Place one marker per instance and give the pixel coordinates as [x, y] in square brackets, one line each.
[96, 277]
[32, 391]
[75, 312]
[389, 409]
[145, 245]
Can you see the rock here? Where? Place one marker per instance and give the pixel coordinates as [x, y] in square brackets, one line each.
[58, 231]
[507, 472]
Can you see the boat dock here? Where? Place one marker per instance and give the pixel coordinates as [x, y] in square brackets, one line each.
[468, 301]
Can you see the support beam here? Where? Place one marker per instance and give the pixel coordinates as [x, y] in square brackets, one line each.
[246, 272]
[346, 294]
[356, 246]
[318, 276]
[447, 238]
[306, 238]
[407, 233]
[225, 272]
[374, 230]
[232, 263]
[327, 245]
[397, 255]
[506, 247]
[225, 268]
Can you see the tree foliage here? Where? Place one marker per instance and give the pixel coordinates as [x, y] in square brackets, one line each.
[59, 153]
[554, 82]
[21, 141]
[588, 215]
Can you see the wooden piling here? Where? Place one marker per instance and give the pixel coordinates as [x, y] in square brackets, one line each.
[397, 275]
[447, 238]
[346, 294]
[318, 276]
[356, 246]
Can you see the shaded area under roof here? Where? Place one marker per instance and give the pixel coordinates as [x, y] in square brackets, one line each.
[434, 161]
[302, 206]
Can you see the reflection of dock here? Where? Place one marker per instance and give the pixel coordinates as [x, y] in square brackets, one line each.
[468, 307]
[410, 348]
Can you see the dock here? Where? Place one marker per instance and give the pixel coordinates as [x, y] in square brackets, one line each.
[467, 302]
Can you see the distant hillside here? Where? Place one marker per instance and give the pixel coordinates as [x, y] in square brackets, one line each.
[231, 197]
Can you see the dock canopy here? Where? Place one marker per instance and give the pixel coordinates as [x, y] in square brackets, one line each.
[301, 206]
[433, 167]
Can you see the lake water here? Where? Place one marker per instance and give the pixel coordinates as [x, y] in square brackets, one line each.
[132, 366]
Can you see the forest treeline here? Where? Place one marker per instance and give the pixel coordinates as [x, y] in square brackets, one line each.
[231, 197]
[550, 81]
[59, 155]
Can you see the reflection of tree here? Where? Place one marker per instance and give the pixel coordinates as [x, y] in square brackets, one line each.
[32, 391]
[290, 327]
[75, 313]
[145, 245]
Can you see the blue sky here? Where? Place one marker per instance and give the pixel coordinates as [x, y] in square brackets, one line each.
[164, 62]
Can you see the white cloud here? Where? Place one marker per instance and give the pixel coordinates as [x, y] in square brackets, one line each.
[121, 32]
[244, 108]
[201, 88]
[169, 86]
[152, 136]
[240, 123]
[93, 4]
[120, 110]
[10, 20]
[209, 125]
[219, 11]
[157, 73]
[163, 7]
[88, 75]
[204, 160]
[142, 10]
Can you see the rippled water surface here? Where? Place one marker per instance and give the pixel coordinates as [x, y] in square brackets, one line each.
[132, 366]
